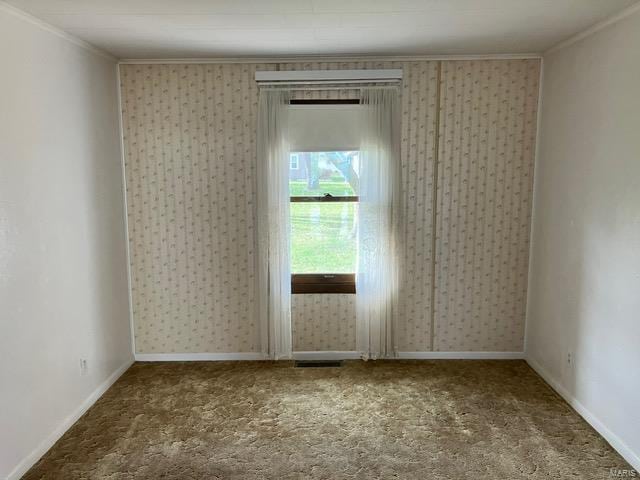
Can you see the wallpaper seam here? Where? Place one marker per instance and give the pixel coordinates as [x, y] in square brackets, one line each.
[434, 204]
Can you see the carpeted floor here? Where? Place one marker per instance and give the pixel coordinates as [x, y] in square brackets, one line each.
[385, 419]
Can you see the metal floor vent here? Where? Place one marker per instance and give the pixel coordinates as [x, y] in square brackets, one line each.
[317, 363]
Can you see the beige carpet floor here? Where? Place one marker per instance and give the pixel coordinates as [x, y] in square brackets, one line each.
[384, 419]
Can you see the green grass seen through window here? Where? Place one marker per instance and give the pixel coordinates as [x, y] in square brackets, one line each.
[323, 234]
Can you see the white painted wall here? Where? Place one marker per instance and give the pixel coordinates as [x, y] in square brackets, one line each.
[584, 291]
[63, 281]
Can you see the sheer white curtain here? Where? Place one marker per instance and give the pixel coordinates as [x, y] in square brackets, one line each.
[377, 275]
[274, 269]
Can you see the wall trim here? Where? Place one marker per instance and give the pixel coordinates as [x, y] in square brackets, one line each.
[596, 27]
[616, 442]
[198, 357]
[326, 355]
[330, 58]
[27, 17]
[434, 209]
[125, 211]
[67, 423]
[536, 181]
[460, 355]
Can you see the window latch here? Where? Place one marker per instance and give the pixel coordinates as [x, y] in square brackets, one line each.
[328, 195]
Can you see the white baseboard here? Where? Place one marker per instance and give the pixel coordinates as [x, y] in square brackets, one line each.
[195, 357]
[460, 355]
[326, 355]
[616, 442]
[48, 442]
[350, 355]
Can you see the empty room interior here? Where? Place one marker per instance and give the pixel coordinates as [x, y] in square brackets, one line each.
[319, 239]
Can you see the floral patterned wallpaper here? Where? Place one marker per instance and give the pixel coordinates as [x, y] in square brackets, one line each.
[189, 134]
[323, 322]
[485, 180]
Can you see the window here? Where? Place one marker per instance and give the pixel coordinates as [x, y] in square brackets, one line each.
[324, 213]
[294, 162]
[323, 189]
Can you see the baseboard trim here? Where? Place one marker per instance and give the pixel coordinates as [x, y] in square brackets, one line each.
[197, 357]
[47, 443]
[461, 355]
[326, 355]
[616, 442]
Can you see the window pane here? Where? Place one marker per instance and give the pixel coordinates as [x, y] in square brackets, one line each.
[323, 237]
[318, 173]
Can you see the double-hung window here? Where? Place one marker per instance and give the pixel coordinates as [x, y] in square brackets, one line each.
[323, 186]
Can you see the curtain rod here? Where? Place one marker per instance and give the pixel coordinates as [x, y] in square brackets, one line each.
[328, 82]
[360, 86]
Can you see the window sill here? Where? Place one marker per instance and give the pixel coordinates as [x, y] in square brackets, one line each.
[331, 283]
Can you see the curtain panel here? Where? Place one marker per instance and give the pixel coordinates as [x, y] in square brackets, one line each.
[274, 269]
[379, 237]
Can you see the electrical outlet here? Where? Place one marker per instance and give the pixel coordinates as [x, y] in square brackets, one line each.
[84, 367]
[570, 359]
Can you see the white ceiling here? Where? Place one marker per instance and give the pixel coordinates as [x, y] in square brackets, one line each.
[217, 28]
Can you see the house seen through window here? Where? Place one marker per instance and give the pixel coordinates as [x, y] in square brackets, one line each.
[294, 161]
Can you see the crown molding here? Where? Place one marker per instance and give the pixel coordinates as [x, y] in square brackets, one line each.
[328, 58]
[596, 27]
[27, 17]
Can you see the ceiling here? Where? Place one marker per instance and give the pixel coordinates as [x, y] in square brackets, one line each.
[219, 28]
